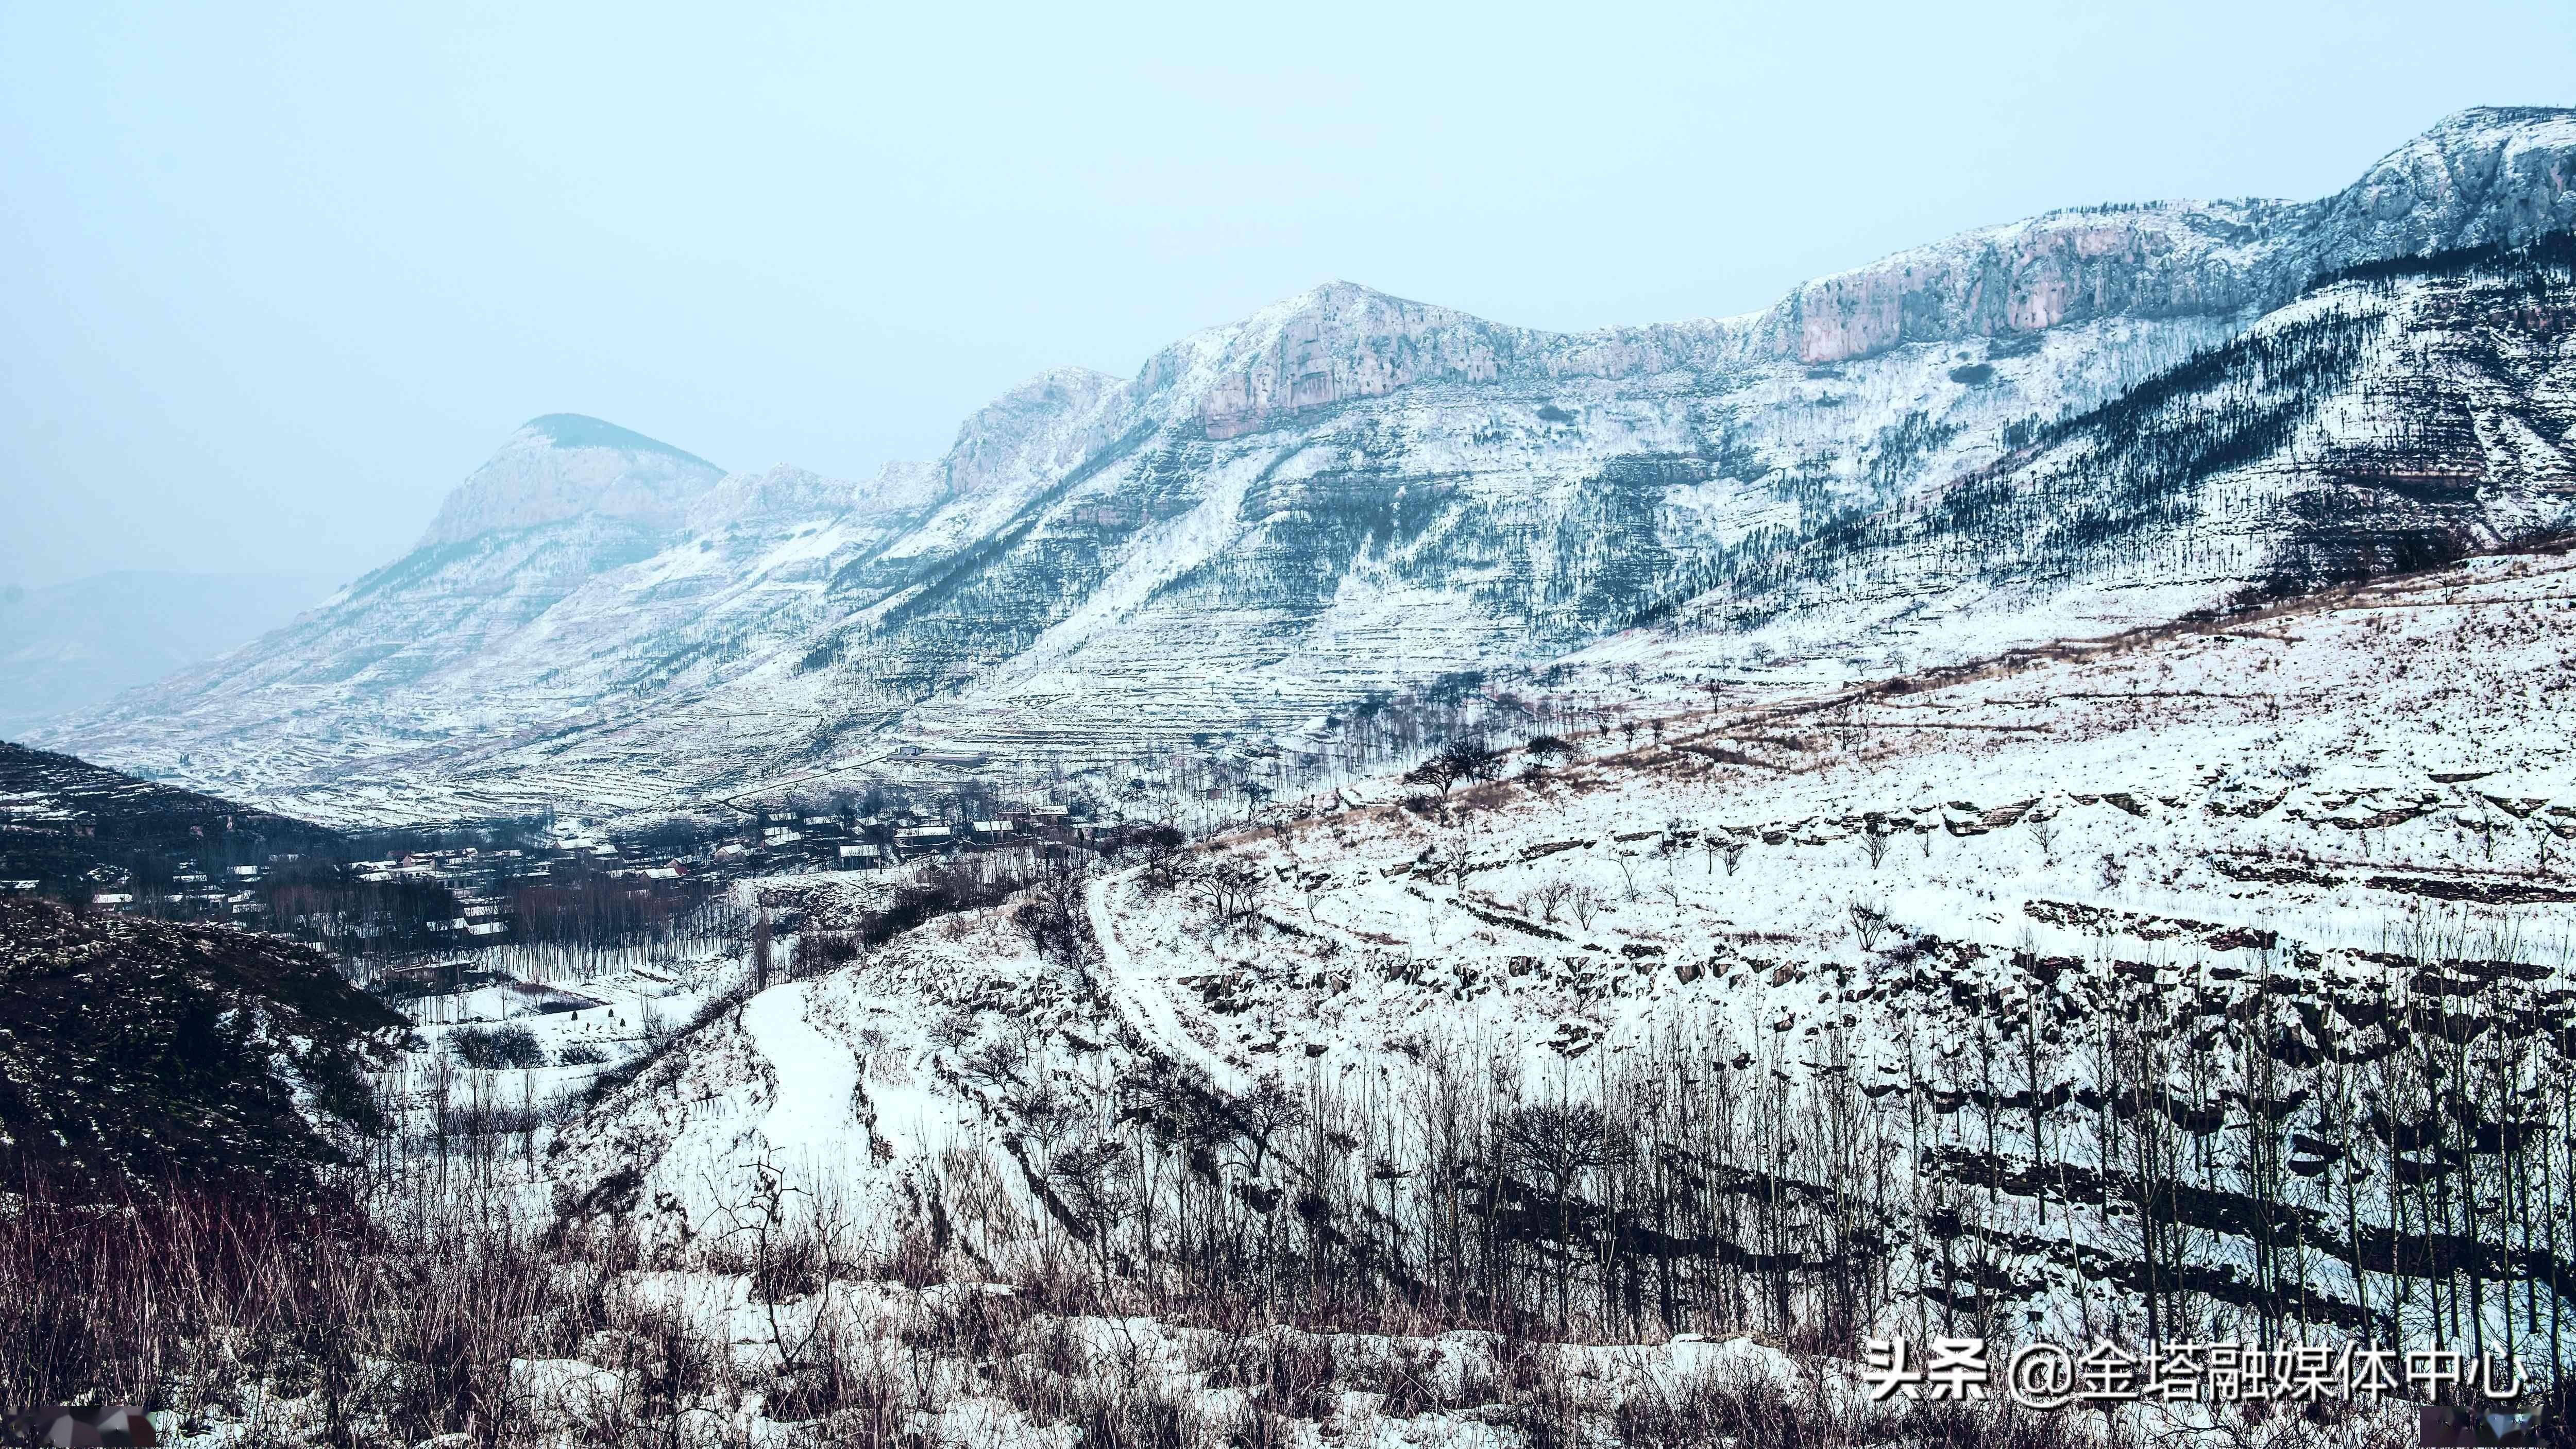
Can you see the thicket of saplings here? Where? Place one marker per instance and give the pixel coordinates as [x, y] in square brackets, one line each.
[420, 1309]
[2395, 1163]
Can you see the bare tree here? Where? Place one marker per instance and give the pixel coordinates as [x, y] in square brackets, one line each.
[1268, 1110]
[1722, 847]
[1558, 1143]
[1548, 899]
[1055, 917]
[1870, 923]
[1230, 890]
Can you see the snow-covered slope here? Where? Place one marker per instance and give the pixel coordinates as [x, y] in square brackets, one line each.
[2393, 417]
[1348, 493]
[526, 614]
[2267, 832]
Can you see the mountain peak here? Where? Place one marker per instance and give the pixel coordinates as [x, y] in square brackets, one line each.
[1336, 291]
[1028, 428]
[2491, 118]
[1346, 304]
[578, 430]
[1334, 341]
[2488, 174]
[563, 466]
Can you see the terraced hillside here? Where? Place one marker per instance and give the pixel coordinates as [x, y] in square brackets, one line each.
[61, 819]
[2216, 972]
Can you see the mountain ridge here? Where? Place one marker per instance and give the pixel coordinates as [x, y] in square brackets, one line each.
[1340, 495]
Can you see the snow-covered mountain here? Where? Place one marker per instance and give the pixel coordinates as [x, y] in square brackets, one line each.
[1349, 493]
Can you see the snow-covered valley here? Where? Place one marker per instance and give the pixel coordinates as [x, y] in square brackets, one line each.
[1395, 879]
[1797, 1010]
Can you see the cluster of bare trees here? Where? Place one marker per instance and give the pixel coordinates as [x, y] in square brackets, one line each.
[2238, 1159]
[2394, 1161]
[2279, 1153]
[1664, 1194]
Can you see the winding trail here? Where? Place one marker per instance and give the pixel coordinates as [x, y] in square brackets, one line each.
[1142, 1005]
[810, 1113]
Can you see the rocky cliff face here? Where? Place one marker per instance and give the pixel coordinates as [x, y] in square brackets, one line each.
[2391, 419]
[2497, 174]
[1032, 433]
[1344, 493]
[1337, 343]
[2500, 175]
[2150, 261]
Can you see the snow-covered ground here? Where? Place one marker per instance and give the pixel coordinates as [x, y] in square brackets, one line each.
[1857, 880]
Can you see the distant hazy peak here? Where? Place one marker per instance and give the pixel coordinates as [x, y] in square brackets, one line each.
[574, 430]
[564, 466]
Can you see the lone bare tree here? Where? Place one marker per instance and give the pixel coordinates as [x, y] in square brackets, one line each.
[1469, 757]
[1585, 902]
[1869, 923]
[1548, 899]
[1722, 847]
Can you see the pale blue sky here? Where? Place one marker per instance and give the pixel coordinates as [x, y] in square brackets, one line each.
[279, 276]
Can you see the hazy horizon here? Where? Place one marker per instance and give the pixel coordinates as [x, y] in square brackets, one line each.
[286, 280]
[81, 642]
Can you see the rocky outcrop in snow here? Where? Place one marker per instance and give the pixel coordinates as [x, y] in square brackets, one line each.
[2496, 174]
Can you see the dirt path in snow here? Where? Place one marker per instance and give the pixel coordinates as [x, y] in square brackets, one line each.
[1141, 1003]
[810, 1113]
